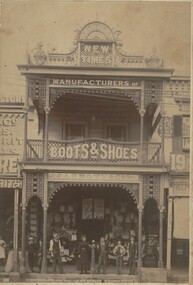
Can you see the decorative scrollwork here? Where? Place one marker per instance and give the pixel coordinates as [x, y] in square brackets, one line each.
[96, 31]
[54, 187]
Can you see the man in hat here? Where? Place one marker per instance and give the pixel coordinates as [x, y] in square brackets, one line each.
[31, 252]
[132, 251]
[55, 249]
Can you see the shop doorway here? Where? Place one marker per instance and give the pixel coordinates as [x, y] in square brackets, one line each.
[93, 211]
[150, 234]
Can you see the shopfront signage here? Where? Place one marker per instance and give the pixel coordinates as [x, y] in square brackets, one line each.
[95, 83]
[94, 177]
[11, 142]
[181, 189]
[97, 151]
[14, 99]
[180, 162]
[10, 183]
[96, 54]
[186, 132]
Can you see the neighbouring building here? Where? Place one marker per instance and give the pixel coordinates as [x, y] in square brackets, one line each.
[106, 149]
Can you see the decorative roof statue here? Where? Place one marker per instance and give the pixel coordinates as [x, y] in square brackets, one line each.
[154, 60]
[37, 56]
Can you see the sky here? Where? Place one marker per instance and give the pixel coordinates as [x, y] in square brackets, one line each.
[143, 26]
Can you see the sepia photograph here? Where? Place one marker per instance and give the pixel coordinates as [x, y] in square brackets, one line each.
[95, 140]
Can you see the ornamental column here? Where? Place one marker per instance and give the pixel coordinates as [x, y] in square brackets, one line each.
[25, 110]
[162, 138]
[22, 263]
[141, 134]
[46, 129]
[161, 211]
[45, 209]
[15, 232]
[142, 112]
[160, 262]
[140, 216]
[169, 233]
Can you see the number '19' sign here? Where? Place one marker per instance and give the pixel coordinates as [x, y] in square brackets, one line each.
[180, 162]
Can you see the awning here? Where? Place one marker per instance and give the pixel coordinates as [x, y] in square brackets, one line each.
[181, 218]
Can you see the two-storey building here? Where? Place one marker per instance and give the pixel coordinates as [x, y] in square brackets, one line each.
[99, 131]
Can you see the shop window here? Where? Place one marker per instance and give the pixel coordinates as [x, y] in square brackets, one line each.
[116, 132]
[74, 131]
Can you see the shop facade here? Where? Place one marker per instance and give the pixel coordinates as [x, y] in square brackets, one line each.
[11, 150]
[97, 146]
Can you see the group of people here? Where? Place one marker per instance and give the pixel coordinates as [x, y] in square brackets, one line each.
[84, 254]
[119, 251]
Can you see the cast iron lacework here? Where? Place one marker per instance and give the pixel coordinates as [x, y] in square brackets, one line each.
[96, 31]
[133, 189]
[34, 186]
[153, 93]
[105, 53]
[70, 59]
[37, 93]
[151, 186]
[54, 187]
[134, 95]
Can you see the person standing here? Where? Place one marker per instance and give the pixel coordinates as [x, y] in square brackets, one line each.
[132, 250]
[2, 251]
[119, 251]
[55, 250]
[83, 254]
[40, 255]
[31, 252]
[102, 255]
[155, 252]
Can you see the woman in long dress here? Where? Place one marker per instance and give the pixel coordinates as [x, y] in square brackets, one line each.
[10, 259]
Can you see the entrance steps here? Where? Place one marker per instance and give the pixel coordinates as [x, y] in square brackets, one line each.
[80, 278]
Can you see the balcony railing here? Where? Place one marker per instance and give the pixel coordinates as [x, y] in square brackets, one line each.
[94, 151]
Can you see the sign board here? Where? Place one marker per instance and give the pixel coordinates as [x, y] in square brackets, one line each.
[181, 189]
[10, 183]
[93, 177]
[185, 132]
[94, 83]
[88, 151]
[96, 54]
[11, 142]
[180, 162]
